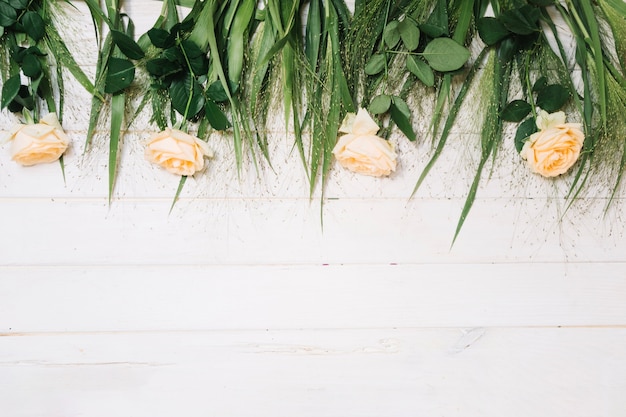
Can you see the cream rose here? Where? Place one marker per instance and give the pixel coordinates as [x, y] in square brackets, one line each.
[177, 151]
[38, 143]
[360, 150]
[555, 147]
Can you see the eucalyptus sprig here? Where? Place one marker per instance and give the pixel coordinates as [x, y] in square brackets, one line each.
[415, 31]
[505, 36]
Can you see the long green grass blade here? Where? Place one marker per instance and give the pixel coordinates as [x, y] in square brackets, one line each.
[181, 184]
[460, 35]
[217, 65]
[261, 67]
[57, 46]
[597, 53]
[491, 130]
[454, 110]
[118, 104]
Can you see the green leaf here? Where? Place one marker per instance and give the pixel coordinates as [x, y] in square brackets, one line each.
[121, 73]
[402, 106]
[19, 4]
[491, 30]
[380, 104]
[522, 21]
[552, 97]
[437, 23]
[174, 54]
[421, 70]
[312, 36]
[215, 116]
[216, 92]
[186, 95]
[375, 64]
[516, 111]
[401, 116]
[65, 59]
[31, 67]
[542, 3]
[23, 99]
[540, 84]
[391, 35]
[8, 15]
[118, 104]
[35, 51]
[198, 63]
[409, 33]
[181, 184]
[525, 129]
[10, 89]
[161, 67]
[161, 38]
[444, 54]
[237, 41]
[34, 25]
[127, 45]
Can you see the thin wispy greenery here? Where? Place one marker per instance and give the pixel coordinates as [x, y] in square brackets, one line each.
[222, 65]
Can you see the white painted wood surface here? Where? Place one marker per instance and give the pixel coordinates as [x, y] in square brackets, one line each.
[240, 303]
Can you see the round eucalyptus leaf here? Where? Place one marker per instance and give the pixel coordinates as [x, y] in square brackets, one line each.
[409, 33]
[391, 36]
[421, 70]
[444, 54]
[380, 104]
[375, 64]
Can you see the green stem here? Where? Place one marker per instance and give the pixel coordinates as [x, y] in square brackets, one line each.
[529, 86]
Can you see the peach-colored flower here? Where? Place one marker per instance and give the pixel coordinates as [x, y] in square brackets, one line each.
[555, 147]
[38, 143]
[360, 150]
[177, 151]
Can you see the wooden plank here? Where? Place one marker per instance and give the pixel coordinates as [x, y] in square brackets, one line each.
[448, 372]
[290, 231]
[179, 297]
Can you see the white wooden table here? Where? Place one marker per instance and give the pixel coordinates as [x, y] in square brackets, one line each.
[239, 302]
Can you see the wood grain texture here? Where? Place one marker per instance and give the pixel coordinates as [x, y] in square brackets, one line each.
[447, 372]
[251, 298]
[179, 297]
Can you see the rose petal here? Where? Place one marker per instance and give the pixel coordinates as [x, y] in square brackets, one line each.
[363, 124]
